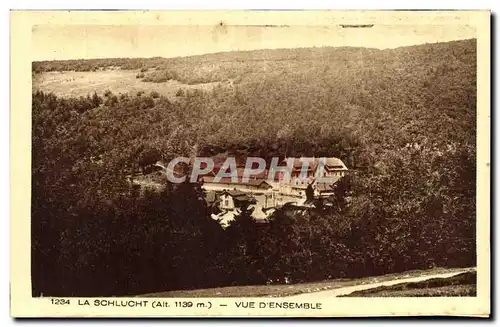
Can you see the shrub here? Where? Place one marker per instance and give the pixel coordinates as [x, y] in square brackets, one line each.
[161, 76]
[111, 101]
[96, 100]
[179, 93]
[147, 103]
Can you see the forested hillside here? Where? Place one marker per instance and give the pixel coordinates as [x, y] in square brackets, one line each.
[403, 120]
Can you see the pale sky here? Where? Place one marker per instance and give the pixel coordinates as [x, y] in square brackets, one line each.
[58, 42]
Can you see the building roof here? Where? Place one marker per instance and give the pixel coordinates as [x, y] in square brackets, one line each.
[258, 183]
[334, 163]
[298, 162]
[240, 196]
[330, 163]
[327, 186]
[263, 175]
[227, 180]
[300, 186]
[234, 193]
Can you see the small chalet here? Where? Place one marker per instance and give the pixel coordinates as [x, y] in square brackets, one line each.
[232, 199]
[335, 167]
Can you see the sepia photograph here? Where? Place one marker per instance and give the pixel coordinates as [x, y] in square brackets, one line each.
[290, 162]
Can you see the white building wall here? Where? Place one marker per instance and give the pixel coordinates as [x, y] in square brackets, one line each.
[226, 202]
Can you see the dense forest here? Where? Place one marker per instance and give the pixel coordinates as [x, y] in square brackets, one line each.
[403, 120]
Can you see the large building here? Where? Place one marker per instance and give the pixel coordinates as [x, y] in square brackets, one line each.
[225, 196]
[264, 194]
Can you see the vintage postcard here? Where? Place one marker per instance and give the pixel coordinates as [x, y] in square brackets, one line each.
[250, 163]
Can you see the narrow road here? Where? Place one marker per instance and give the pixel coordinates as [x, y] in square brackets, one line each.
[325, 295]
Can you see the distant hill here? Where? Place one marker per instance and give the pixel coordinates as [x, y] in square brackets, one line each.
[315, 53]
[332, 95]
[254, 55]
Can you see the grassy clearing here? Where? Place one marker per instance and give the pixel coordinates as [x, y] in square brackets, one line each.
[288, 290]
[70, 83]
[459, 285]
